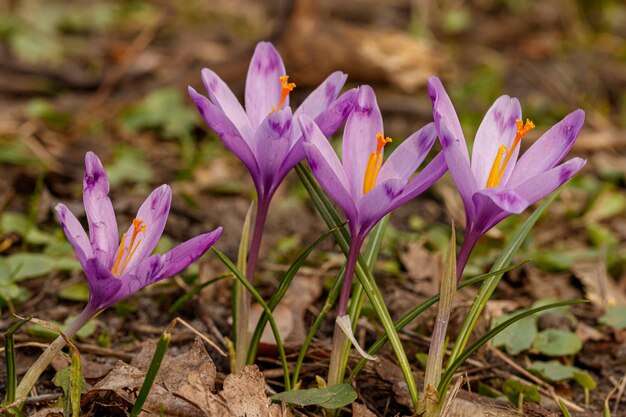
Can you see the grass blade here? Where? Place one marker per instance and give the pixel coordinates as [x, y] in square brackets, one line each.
[332, 219]
[259, 299]
[9, 357]
[279, 294]
[76, 383]
[185, 298]
[153, 369]
[432, 405]
[454, 365]
[489, 286]
[241, 299]
[414, 313]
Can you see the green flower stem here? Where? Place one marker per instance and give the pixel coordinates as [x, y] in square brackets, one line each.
[489, 286]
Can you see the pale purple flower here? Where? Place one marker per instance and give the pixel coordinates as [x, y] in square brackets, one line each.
[263, 136]
[495, 184]
[361, 184]
[118, 268]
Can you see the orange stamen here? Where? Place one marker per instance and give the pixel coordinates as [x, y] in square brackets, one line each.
[138, 227]
[286, 89]
[499, 165]
[374, 163]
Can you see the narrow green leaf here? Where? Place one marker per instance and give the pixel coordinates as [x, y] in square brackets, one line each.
[9, 357]
[414, 313]
[241, 299]
[153, 370]
[334, 396]
[279, 343]
[76, 383]
[280, 292]
[489, 286]
[564, 409]
[437, 348]
[453, 366]
[332, 219]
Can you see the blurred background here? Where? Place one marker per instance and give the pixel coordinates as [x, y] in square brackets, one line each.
[112, 77]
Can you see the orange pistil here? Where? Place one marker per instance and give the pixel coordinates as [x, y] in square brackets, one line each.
[286, 89]
[374, 163]
[499, 165]
[119, 266]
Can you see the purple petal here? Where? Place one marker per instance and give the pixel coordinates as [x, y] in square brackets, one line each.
[444, 113]
[153, 215]
[226, 130]
[225, 100]
[497, 128]
[272, 142]
[330, 119]
[323, 96]
[100, 215]
[75, 234]
[326, 167]
[186, 253]
[458, 164]
[407, 157]
[506, 200]
[549, 149]
[263, 85]
[539, 186]
[378, 202]
[104, 287]
[359, 138]
[424, 179]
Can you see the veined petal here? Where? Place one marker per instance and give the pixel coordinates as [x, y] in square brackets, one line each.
[100, 215]
[497, 128]
[75, 234]
[326, 167]
[104, 287]
[407, 157]
[330, 119]
[444, 113]
[263, 85]
[507, 200]
[359, 138]
[185, 254]
[323, 96]
[272, 142]
[153, 213]
[424, 179]
[226, 130]
[458, 164]
[378, 202]
[544, 183]
[549, 149]
[225, 100]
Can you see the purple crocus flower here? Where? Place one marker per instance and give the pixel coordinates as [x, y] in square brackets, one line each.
[365, 187]
[115, 271]
[116, 268]
[263, 136]
[495, 184]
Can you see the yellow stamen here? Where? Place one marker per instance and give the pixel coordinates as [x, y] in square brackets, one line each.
[374, 163]
[138, 227]
[499, 165]
[286, 89]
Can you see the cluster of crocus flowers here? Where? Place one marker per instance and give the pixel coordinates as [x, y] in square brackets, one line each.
[364, 187]
[495, 183]
[264, 136]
